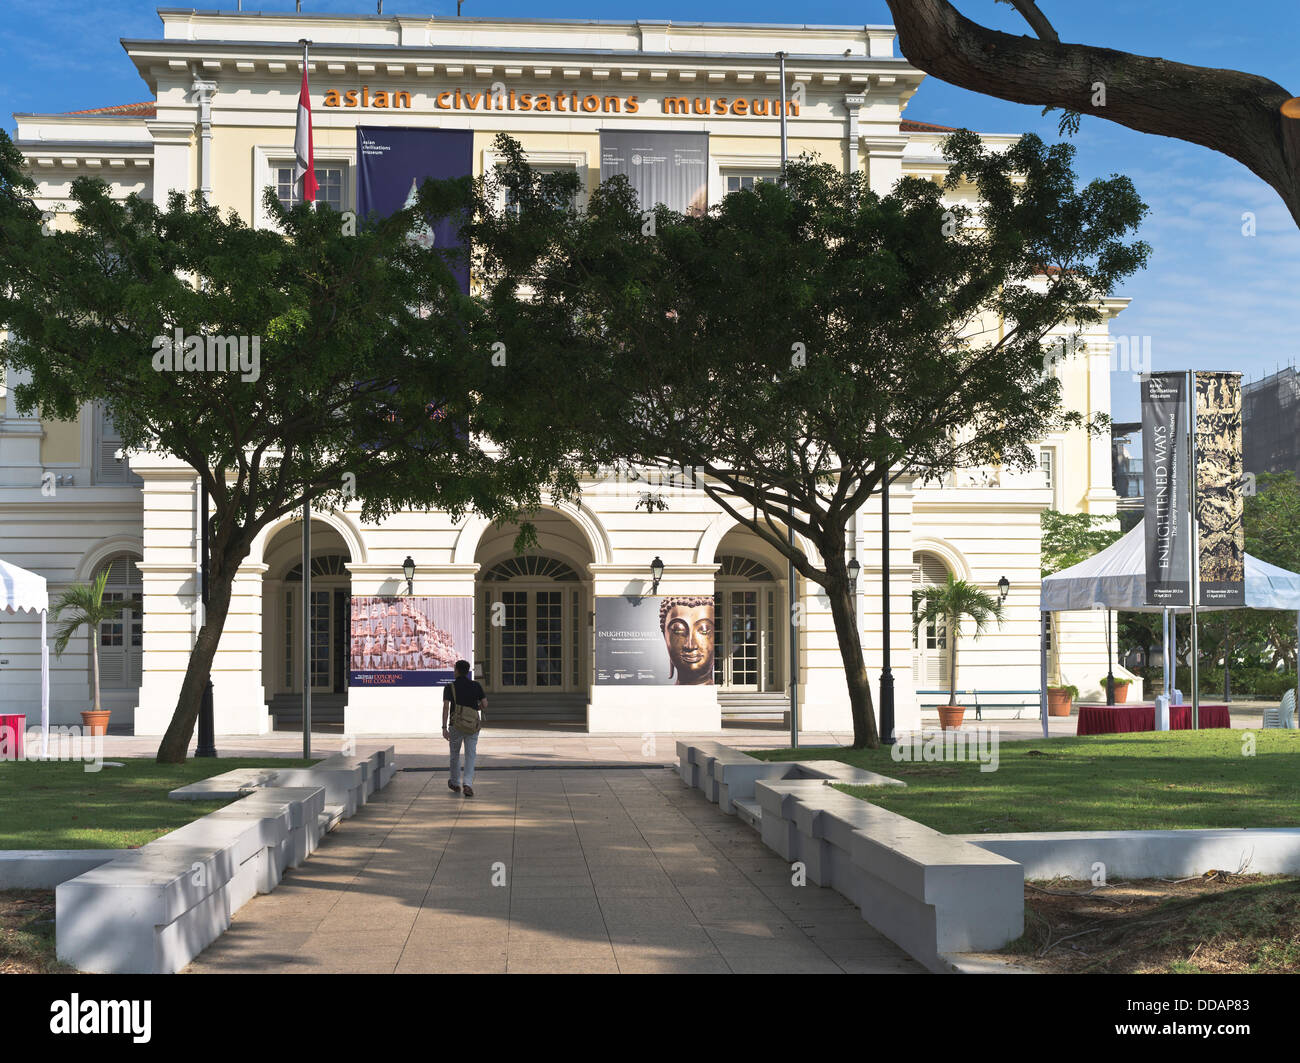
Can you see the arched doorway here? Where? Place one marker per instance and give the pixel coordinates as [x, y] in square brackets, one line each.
[121, 640]
[534, 623]
[328, 645]
[929, 641]
[751, 635]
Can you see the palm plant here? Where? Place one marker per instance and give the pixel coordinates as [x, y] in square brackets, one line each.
[949, 605]
[84, 603]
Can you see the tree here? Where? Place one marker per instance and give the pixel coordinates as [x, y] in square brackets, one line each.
[318, 363]
[802, 341]
[1068, 538]
[85, 607]
[1246, 117]
[950, 604]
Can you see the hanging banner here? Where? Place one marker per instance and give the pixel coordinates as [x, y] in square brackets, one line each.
[392, 162]
[1220, 530]
[409, 641]
[663, 167]
[1164, 472]
[655, 641]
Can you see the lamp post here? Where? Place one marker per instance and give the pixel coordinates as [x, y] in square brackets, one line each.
[886, 672]
[408, 570]
[656, 574]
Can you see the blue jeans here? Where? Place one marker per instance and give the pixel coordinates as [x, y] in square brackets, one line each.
[471, 751]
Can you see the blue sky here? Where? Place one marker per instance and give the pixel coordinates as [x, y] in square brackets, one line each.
[1211, 298]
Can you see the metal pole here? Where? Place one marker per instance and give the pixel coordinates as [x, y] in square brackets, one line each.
[784, 146]
[1042, 669]
[886, 673]
[1110, 671]
[207, 746]
[306, 630]
[1227, 668]
[794, 649]
[1194, 568]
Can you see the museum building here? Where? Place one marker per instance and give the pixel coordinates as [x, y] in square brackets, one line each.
[542, 629]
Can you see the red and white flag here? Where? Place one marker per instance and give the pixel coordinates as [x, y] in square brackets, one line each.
[304, 163]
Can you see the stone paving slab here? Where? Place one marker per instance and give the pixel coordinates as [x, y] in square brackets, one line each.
[603, 871]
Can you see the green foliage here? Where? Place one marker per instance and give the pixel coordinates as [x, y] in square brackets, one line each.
[802, 340]
[948, 606]
[1068, 538]
[1068, 688]
[84, 602]
[374, 378]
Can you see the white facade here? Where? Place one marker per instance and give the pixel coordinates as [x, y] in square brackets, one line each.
[225, 88]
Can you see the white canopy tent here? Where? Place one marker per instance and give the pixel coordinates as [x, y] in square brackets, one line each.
[1116, 579]
[23, 591]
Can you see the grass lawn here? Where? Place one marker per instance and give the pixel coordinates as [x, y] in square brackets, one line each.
[27, 933]
[59, 805]
[1152, 781]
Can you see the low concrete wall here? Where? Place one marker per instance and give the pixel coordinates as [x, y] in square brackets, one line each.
[931, 894]
[151, 910]
[43, 869]
[1131, 854]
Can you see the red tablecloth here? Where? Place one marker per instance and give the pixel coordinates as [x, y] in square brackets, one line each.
[1114, 719]
[12, 731]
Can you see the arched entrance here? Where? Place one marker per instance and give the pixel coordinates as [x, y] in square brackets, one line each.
[533, 625]
[328, 645]
[929, 641]
[752, 633]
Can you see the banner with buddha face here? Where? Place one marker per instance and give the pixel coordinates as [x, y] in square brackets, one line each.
[657, 640]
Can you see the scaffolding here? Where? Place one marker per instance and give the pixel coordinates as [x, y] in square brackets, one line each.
[1271, 423]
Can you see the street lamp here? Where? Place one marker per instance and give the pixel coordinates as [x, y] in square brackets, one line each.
[854, 568]
[656, 573]
[408, 570]
[1004, 588]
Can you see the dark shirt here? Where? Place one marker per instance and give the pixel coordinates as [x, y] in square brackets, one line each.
[463, 692]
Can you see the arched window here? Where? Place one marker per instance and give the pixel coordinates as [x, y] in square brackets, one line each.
[929, 641]
[530, 566]
[121, 640]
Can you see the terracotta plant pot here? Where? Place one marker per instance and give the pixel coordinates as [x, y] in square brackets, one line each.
[1121, 693]
[95, 722]
[1059, 703]
[950, 716]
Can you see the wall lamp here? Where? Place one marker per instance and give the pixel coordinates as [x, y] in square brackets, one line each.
[854, 569]
[656, 573]
[408, 570]
[1004, 588]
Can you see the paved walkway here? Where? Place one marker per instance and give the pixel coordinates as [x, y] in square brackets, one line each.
[607, 871]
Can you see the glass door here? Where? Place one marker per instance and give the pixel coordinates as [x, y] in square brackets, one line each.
[322, 641]
[741, 653]
[533, 641]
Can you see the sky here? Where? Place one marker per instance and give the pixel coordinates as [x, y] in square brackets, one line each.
[1211, 297]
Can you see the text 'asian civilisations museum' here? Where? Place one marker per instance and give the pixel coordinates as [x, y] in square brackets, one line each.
[569, 633]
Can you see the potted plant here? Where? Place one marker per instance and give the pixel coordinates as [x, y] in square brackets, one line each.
[1060, 699]
[85, 606]
[949, 605]
[1121, 688]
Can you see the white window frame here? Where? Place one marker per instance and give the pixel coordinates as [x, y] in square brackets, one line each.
[268, 159]
[549, 161]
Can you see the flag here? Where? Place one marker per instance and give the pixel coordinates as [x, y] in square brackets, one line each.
[304, 163]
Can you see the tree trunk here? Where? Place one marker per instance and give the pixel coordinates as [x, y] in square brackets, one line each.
[952, 660]
[1227, 111]
[865, 733]
[176, 742]
[94, 666]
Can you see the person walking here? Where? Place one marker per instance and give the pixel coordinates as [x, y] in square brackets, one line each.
[464, 701]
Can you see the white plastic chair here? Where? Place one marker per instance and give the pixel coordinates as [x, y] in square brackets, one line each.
[1287, 709]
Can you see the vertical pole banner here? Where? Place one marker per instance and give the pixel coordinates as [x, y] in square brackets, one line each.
[1220, 531]
[1164, 460]
[393, 162]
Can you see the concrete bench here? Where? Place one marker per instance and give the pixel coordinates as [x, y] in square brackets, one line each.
[152, 910]
[930, 893]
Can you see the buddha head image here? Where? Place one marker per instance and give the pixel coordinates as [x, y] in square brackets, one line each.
[686, 622]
